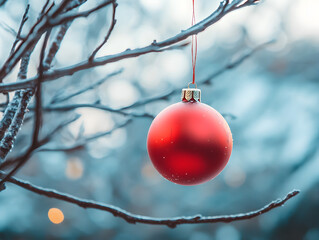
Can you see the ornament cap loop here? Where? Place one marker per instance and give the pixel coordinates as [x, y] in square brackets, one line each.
[193, 84]
[191, 94]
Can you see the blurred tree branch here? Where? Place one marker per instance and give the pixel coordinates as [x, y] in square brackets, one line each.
[224, 8]
[22, 98]
[58, 98]
[42, 142]
[207, 80]
[82, 142]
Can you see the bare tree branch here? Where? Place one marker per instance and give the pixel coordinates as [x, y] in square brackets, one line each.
[165, 96]
[13, 116]
[41, 26]
[18, 105]
[44, 8]
[154, 47]
[38, 116]
[35, 144]
[25, 96]
[133, 218]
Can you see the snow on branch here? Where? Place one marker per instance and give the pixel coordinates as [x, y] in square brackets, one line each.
[134, 218]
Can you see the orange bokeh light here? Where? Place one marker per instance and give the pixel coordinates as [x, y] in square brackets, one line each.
[55, 215]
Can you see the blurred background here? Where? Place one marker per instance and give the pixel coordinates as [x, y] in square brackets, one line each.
[270, 102]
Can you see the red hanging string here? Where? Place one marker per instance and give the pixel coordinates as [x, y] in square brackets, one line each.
[194, 44]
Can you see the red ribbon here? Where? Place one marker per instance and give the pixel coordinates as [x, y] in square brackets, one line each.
[194, 44]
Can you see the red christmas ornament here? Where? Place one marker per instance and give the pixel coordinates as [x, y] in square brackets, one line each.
[189, 142]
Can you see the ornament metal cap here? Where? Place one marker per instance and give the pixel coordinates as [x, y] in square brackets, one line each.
[191, 94]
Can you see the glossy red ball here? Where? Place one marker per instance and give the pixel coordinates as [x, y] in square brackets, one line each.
[189, 143]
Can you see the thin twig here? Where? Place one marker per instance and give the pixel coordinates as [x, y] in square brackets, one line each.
[8, 28]
[42, 142]
[84, 141]
[207, 80]
[8, 140]
[145, 101]
[58, 99]
[44, 8]
[69, 107]
[9, 115]
[71, 16]
[134, 218]
[113, 22]
[38, 94]
[23, 20]
[35, 33]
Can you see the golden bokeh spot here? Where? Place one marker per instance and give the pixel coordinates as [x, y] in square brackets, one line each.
[55, 215]
[74, 168]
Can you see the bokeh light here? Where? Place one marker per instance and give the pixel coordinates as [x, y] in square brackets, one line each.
[55, 215]
[74, 168]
